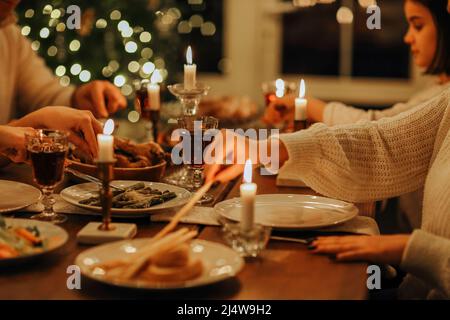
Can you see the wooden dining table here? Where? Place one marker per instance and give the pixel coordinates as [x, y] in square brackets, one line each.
[284, 270]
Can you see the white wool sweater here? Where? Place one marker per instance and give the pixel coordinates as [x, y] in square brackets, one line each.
[380, 159]
[26, 84]
[338, 113]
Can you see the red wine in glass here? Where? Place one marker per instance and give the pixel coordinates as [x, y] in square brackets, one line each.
[48, 166]
[142, 105]
[47, 151]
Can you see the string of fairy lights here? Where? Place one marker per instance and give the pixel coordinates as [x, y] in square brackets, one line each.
[141, 59]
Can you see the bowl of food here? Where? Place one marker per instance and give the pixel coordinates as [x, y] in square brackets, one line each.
[143, 162]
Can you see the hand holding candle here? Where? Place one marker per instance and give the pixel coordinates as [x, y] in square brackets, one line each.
[106, 143]
[248, 194]
[190, 71]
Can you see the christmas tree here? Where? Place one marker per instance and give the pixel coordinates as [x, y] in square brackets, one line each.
[116, 40]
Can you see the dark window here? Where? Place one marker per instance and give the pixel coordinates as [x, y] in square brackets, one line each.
[381, 53]
[311, 42]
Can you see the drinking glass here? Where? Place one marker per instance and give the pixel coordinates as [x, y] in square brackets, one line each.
[199, 131]
[142, 106]
[278, 89]
[47, 150]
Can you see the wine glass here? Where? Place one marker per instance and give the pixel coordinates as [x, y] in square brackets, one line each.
[199, 131]
[142, 106]
[278, 89]
[47, 150]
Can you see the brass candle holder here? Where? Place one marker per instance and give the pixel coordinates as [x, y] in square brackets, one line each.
[96, 232]
[106, 175]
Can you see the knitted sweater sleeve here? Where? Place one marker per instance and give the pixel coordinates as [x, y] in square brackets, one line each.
[336, 113]
[367, 161]
[427, 256]
[36, 86]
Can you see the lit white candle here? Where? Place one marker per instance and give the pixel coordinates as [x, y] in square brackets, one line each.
[248, 194]
[106, 143]
[190, 71]
[153, 90]
[301, 103]
[280, 88]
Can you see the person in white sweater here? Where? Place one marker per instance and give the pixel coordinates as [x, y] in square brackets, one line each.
[429, 39]
[368, 162]
[26, 84]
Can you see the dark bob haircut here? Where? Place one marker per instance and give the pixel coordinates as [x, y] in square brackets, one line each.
[441, 60]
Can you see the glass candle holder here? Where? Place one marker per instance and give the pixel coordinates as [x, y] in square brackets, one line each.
[190, 100]
[248, 243]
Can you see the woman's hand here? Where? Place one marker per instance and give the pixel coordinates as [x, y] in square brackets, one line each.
[100, 97]
[387, 249]
[12, 142]
[81, 125]
[231, 152]
[280, 110]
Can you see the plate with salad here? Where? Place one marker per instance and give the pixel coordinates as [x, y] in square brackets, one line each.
[24, 239]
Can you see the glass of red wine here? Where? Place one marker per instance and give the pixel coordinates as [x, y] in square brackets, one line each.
[273, 90]
[47, 151]
[142, 106]
[199, 131]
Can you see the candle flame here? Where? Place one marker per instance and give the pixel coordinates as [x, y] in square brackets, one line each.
[301, 93]
[156, 77]
[248, 171]
[108, 128]
[189, 55]
[279, 84]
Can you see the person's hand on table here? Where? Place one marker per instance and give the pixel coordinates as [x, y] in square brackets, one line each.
[12, 142]
[102, 98]
[384, 249]
[81, 125]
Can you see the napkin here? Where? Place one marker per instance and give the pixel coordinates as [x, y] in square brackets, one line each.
[358, 225]
[198, 215]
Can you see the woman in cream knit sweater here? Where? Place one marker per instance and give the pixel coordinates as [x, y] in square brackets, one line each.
[371, 161]
[429, 39]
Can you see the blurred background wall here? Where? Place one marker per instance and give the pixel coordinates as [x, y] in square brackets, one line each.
[237, 44]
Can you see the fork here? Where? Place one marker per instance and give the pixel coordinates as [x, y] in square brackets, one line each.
[90, 178]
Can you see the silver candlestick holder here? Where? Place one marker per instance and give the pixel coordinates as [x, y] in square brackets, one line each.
[190, 100]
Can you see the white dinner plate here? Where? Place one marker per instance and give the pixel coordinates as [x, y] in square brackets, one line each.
[76, 193]
[15, 195]
[292, 211]
[219, 263]
[55, 237]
